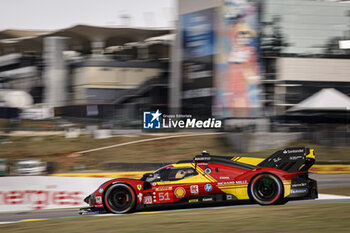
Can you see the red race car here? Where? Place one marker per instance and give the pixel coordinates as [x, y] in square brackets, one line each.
[281, 177]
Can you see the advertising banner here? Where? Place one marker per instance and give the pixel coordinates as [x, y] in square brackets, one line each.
[45, 192]
[198, 33]
[198, 49]
[237, 75]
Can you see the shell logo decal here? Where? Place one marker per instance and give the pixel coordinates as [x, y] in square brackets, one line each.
[180, 192]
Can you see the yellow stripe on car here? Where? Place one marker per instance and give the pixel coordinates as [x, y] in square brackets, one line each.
[287, 187]
[240, 191]
[200, 170]
[248, 160]
[311, 154]
[34, 220]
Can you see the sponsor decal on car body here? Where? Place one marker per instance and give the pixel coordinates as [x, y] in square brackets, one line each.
[194, 189]
[140, 197]
[180, 192]
[98, 199]
[165, 188]
[147, 200]
[208, 187]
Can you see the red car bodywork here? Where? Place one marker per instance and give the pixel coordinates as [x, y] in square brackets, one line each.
[215, 179]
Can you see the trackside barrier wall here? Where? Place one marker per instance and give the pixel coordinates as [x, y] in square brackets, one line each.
[68, 190]
[45, 192]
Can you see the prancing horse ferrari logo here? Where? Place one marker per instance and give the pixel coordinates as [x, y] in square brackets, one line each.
[139, 187]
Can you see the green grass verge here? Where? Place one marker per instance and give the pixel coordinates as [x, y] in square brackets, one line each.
[292, 218]
[30, 124]
[335, 190]
[51, 148]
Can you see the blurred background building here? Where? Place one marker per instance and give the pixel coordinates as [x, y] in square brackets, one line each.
[300, 47]
[247, 60]
[84, 65]
[296, 48]
[254, 63]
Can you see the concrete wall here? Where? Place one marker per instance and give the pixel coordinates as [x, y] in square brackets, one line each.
[109, 78]
[313, 69]
[55, 72]
[114, 77]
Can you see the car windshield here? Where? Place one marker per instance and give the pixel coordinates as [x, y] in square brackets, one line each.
[172, 174]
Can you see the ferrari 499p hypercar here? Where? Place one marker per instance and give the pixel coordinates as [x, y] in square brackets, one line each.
[281, 177]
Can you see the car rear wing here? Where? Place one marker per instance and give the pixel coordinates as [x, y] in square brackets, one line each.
[292, 159]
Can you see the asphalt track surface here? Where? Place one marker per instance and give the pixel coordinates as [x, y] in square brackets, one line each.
[324, 180]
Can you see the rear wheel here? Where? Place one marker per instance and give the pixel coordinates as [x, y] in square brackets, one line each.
[266, 189]
[120, 199]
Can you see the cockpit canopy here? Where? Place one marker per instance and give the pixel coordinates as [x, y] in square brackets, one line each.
[169, 174]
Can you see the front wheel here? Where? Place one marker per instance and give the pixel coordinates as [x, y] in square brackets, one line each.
[266, 189]
[120, 199]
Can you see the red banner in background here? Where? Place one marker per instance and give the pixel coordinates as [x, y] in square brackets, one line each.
[45, 192]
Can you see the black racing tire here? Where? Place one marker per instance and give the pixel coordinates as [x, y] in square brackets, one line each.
[266, 189]
[120, 199]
